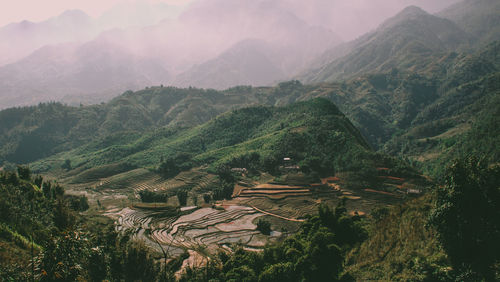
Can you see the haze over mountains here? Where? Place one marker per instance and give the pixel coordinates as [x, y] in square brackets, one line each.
[273, 140]
[220, 44]
[404, 41]
[18, 40]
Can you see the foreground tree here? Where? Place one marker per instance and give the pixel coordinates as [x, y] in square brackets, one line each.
[466, 216]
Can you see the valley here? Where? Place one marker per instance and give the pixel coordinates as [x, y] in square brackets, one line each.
[245, 156]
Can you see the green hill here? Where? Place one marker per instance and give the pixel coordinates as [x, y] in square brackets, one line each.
[302, 131]
[423, 115]
[30, 133]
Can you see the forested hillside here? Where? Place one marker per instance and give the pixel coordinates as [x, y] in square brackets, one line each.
[305, 130]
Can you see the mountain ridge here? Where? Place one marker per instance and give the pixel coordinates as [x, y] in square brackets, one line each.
[405, 41]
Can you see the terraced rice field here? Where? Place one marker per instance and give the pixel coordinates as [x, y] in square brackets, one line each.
[380, 192]
[206, 227]
[137, 180]
[273, 191]
[209, 226]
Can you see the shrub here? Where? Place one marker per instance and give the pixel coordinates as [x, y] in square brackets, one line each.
[264, 226]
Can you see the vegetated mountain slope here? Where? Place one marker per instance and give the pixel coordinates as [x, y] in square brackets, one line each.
[94, 69]
[312, 129]
[461, 120]
[384, 106]
[55, 127]
[414, 115]
[408, 41]
[480, 18]
[29, 133]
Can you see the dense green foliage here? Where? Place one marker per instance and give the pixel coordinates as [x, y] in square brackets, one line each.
[466, 218]
[173, 165]
[449, 235]
[152, 197]
[32, 211]
[29, 209]
[264, 226]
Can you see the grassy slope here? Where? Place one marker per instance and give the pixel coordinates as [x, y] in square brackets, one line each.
[400, 247]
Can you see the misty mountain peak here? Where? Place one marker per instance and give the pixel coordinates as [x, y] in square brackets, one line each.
[22, 25]
[72, 17]
[412, 11]
[408, 13]
[75, 13]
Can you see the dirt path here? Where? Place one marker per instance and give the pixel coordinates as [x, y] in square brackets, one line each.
[278, 216]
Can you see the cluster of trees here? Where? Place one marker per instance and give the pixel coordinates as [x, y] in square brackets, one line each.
[75, 256]
[172, 166]
[466, 217]
[32, 213]
[77, 203]
[264, 226]
[34, 207]
[226, 181]
[152, 197]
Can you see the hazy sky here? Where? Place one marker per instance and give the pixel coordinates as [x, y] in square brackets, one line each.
[39, 10]
[349, 18]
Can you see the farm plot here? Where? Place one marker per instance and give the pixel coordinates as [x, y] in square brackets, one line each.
[137, 180]
[273, 191]
[129, 218]
[202, 227]
[209, 226]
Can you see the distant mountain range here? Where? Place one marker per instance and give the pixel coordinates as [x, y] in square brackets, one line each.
[198, 49]
[94, 71]
[479, 18]
[18, 40]
[265, 44]
[407, 41]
